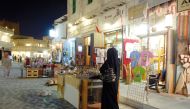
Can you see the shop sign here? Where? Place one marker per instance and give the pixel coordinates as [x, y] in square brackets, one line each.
[164, 9]
[183, 5]
[115, 18]
[137, 11]
[114, 15]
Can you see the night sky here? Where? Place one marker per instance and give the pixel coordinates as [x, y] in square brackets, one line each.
[35, 16]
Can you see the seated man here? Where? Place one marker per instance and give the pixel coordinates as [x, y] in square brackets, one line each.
[163, 78]
[71, 63]
[154, 81]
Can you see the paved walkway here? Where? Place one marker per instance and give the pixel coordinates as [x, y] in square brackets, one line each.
[29, 94]
[155, 100]
[18, 93]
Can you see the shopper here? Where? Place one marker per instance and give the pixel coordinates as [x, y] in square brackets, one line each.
[6, 63]
[27, 62]
[110, 89]
[20, 59]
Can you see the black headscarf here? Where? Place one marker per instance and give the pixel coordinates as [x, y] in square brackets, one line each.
[112, 61]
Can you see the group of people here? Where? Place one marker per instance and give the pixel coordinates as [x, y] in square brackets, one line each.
[17, 58]
[35, 62]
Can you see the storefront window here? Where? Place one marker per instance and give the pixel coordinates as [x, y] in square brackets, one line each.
[74, 6]
[114, 39]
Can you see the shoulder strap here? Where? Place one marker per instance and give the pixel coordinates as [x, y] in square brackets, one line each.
[108, 65]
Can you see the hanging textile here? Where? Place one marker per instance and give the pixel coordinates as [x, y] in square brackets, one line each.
[97, 29]
[116, 36]
[183, 26]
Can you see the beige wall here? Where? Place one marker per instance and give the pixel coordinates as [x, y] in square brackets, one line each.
[88, 17]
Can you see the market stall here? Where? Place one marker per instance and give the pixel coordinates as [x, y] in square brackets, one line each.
[82, 92]
[77, 89]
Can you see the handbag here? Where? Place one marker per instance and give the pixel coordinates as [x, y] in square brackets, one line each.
[109, 75]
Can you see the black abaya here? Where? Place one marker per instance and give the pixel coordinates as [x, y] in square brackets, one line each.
[110, 89]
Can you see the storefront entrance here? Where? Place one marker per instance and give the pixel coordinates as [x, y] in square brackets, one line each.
[157, 47]
[114, 39]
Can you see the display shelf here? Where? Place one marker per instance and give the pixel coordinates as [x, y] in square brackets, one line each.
[33, 72]
[91, 93]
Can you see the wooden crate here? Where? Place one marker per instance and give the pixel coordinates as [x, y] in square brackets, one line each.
[32, 73]
[29, 73]
[35, 73]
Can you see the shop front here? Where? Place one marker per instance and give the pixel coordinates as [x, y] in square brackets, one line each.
[81, 48]
[112, 26]
[69, 50]
[149, 50]
[114, 39]
[56, 51]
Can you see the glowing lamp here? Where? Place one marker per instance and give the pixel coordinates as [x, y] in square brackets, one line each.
[52, 33]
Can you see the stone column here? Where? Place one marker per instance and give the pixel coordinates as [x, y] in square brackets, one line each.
[170, 64]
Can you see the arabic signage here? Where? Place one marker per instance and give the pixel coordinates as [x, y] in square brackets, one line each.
[137, 11]
[183, 5]
[113, 19]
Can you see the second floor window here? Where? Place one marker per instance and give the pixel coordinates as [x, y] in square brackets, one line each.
[74, 6]
[90, 1]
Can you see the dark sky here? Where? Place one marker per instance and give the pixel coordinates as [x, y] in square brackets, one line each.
[35, 16]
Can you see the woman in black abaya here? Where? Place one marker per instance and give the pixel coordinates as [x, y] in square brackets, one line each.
[110, 89]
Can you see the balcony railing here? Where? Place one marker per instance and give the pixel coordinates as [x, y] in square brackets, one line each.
[30, 48]
[5, 44]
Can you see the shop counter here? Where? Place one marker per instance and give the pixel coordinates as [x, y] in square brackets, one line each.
[81, 92]
[72, 90]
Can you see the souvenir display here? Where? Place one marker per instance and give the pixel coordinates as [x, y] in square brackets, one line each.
[145, 58]
[100, 55]
[135, 56]
[138, 73]
[87, 73]
[183, 84]
[78, 82]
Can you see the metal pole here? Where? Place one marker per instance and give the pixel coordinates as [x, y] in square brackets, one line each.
[148, 36]
[122, 30]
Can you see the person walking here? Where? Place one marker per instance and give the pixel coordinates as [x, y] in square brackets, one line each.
[6, 63]
[110, 89]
